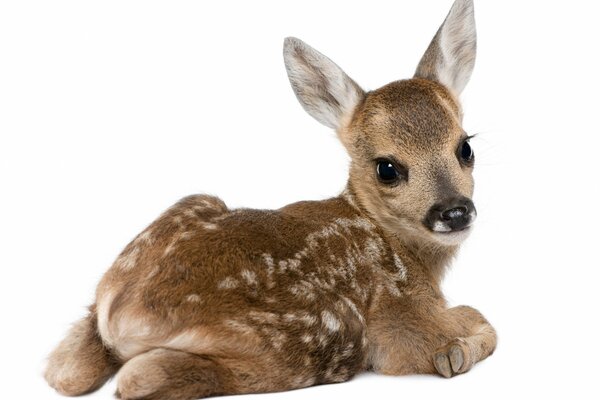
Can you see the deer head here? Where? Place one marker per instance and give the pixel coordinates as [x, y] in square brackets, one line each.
[412, 164]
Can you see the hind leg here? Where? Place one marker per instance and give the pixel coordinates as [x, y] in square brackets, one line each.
[80, 364]
[163, 374]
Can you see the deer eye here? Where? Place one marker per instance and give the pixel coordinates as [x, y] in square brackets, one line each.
[387, 172]
[466, 152]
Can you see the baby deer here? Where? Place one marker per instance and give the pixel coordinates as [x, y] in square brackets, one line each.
[211, 301]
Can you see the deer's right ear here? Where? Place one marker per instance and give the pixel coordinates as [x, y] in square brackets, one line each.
[323, 89]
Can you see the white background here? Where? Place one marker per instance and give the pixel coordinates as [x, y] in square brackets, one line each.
[110, 111]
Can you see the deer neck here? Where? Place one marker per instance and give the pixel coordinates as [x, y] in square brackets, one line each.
[430, 259]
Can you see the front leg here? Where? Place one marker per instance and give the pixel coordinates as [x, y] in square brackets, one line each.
[460, 354]
[431, 340]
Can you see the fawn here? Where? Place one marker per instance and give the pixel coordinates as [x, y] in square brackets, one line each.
[211, 301]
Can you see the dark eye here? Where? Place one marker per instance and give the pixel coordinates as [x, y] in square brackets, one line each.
[466, 152]
[387, 172]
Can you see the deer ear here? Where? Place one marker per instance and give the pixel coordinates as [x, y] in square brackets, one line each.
[450, 57]
[323, 89]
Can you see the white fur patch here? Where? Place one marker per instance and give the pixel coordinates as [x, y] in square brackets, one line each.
[278, 339]
[346, 195]
[307, 338]
[303, 289]
[239, 326]
[330, 321]
[193, 298]
[263, 317]
[400, 267]
[354, 309]
[209, 226]
[303, 381]
[145, 237]
[249, 276]
[268, 260]
[228, 283]
[170, 247]
[128, 261]
[289, 264]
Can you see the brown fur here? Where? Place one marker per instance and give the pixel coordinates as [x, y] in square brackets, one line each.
[210, 301]
[80, 363]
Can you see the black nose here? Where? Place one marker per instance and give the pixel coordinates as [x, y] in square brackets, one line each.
[454, 213]
[451, 215]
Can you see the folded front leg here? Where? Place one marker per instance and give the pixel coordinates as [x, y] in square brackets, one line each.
[431, 340]
[460, 354]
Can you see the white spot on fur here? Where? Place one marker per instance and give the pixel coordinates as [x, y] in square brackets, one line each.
[354, 309]
[170, 247]
[303, 381]
[348, 351]
[209, 226]
[204, 203]
[308, 319]
[128, 261]
[393, 289]
[373, 249]
[185, 236]
[249, 277]
[190, 213]
[330, 321]
[303, 289]
[228, 283]
[307, 338]
[400, 267]
[359, 223]
[239, 326]
[263, 317]
[340, 376]
[364, 341]
[289, 264]
[193, 298]
[322, 339]
[268, 260]
[290, 317]
[178, 221]
[278, 339]
[346, 195]
[145, 237]
[270, 263]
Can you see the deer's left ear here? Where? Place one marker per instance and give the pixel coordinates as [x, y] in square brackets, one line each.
[450, 57]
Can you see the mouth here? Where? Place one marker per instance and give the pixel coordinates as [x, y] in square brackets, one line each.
[453, 237]
[450, 232]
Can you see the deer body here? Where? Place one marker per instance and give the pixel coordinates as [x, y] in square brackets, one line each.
[209, 301]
